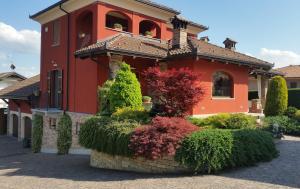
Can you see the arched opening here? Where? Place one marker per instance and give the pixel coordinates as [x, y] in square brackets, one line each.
[27, 127]
[222, 85]
[84, 29]
[118, 21]
[149, 29]
[15, 125]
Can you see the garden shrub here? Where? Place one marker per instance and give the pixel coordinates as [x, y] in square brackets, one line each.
[138, 114]
[277, 97]
[126, 90]
[174, 92]
[286, 125]
[294, 95]
[103, 97]
[297, 115]
[225, 121]
[290, 112]
[64, 134]
[37, 133]
[210, 151]
[107, 136]
[240, 121]
[161, 138]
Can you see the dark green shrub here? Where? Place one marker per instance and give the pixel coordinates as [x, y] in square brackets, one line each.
[103, 98]
[286, 125]
[107, 136]
[126, 90]
[139, 115]
[277, 97]
[225, 121]
[290, 112]
[294, 96]
[240, 121]
[210, 151]
[37, 133]
[64, 134]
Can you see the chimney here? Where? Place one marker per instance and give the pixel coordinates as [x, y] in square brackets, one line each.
[230, 44]
[205, 39]
[180, 36]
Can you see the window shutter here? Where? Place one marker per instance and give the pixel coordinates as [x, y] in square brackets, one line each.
[49, 88]
[60, 88]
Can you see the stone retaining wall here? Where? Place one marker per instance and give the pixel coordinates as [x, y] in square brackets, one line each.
[164, 165]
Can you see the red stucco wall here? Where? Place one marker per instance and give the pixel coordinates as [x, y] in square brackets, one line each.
[14, 105]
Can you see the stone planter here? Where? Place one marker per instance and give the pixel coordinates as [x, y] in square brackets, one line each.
[164, 165]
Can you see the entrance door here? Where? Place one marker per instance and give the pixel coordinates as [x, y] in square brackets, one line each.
[27, 127]
[15, 125]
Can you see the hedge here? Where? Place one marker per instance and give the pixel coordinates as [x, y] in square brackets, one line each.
[64, 134]
[210, 151]
[293, 97]
[37, 133]
[106, 135]
[286, 125]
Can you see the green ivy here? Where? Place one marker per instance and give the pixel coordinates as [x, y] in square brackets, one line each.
[126, 90]
[277, 97]
[37, 133]
[64, 138]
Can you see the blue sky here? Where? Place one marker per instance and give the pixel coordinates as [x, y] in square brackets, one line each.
[267, 29]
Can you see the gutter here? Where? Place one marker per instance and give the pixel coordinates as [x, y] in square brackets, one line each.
[68, 52]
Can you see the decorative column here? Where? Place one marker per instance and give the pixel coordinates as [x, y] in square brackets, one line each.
[264, 90]
[259, 87]
[114, 65]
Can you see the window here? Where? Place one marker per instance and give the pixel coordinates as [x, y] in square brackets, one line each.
[222, 85]
[293, 85]
[149, 29]
[56, 33]
[55, 79]
[118, 21]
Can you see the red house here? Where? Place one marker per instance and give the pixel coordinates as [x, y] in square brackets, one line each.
[83, 41]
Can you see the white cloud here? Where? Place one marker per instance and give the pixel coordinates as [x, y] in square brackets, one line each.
[22, 41]
[281, 58]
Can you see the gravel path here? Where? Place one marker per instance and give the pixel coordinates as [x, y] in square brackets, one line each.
[19, 169]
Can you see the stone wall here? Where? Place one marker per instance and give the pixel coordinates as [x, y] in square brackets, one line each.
[164, 165]
[49, 144]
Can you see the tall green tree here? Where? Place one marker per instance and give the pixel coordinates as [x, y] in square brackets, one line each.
[277, 97]
[126, 90]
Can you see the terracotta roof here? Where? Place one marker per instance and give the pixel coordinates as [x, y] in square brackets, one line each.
[11, 74]
[291, 71]
[22, 89]
[146, 2]
[141, 46]
[127, 44]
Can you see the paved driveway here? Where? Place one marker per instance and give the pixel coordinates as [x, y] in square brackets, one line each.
[19, 169]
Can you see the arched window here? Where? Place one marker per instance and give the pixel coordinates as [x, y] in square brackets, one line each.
[222, 85]
[149, 29]
[118, 21]
[84, 29]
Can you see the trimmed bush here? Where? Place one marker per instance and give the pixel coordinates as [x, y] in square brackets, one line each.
[210, 151]
[103, 97]
[107, 136]
[277, 97]
[37, 133]
[294, 96]
[139, 115]
[297, 115]
[286, 125]
[64, 134]
[161, 138]
[290, 112]
[225, 121]
[126, 90]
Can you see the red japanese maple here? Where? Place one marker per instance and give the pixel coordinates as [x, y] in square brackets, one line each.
[161, 138]
[174, 92]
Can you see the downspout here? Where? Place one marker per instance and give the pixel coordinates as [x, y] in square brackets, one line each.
[68, 53]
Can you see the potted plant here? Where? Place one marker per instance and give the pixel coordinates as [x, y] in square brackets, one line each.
[118, 27]
[147, 99]
[149, 34]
